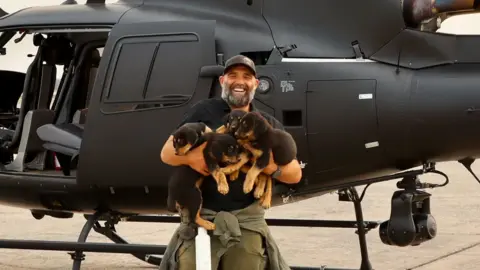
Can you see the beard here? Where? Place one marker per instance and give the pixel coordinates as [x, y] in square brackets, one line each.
[235, 99]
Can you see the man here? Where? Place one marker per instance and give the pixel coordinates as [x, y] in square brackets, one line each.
[250, 245]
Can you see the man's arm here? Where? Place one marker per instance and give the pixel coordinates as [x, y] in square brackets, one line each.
[290, 173]
[167, 154]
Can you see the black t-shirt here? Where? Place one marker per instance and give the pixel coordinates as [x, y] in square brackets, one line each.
[211, 112]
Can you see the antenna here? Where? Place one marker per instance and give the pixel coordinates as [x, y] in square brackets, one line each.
[3, 12]
[69, 2]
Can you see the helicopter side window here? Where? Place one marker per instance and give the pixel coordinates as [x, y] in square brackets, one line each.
[131, 71]
[148, 71]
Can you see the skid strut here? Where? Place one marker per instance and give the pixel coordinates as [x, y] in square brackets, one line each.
[78, 256]
[357, 202]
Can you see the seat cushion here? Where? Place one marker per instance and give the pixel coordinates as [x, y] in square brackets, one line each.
[67, 135]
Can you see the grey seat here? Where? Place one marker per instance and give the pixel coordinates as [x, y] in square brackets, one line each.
[63, 139]
[67, 135]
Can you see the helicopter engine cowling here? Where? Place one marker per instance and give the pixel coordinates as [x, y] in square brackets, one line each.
[416, 11]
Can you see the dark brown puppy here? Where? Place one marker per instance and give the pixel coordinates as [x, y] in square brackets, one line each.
[259, 137]
[223, 155]
[188, 136]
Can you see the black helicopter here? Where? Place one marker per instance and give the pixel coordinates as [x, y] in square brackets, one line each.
[367, 98]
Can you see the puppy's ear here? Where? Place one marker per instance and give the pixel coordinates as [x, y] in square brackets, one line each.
[217, 150]
[225, 118]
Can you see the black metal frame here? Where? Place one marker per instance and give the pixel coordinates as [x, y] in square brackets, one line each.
[144, 252]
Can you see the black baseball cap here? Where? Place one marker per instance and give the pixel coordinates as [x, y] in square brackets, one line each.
[240, 60]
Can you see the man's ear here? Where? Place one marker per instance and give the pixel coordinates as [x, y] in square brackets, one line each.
[220, 79]
[257, 82]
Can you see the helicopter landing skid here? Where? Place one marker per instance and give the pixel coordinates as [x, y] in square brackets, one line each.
[349, 194]
[145, 252]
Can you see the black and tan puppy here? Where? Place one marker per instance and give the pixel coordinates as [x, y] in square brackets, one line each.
[188, 136]
[223, 155]
[230, 125]
[231, 121]
[184, 193]
[259, 137]
[184, 184]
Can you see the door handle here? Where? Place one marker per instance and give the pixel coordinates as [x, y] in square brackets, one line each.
[211, 71]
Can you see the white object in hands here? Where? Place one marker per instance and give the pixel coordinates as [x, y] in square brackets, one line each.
[202, 250]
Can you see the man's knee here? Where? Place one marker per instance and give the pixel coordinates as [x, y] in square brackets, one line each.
[249, 253]
[186, 256]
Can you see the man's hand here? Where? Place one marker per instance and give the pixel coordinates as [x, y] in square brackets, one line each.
[196, 160]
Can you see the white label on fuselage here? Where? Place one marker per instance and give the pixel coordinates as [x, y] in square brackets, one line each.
[365, 96]
[371, 144]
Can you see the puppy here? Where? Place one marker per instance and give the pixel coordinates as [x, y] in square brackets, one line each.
[188, 136]
[231, 121]
[184, 183]
[230, 125]
[259, 137]
[223, 149]
[184, 193]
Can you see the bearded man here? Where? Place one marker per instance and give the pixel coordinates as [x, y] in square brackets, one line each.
[241, 239]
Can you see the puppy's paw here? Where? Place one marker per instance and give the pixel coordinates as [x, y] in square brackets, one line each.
[259, 191]
[209, 226]
[234, 175]
[223, 188]
[248, 184]
[266, 203]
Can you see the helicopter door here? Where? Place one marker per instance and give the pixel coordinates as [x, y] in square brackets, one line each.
[342, 126]
[149, 75]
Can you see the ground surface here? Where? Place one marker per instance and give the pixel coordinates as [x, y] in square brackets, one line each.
[456, 209]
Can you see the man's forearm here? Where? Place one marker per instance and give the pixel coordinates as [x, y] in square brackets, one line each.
[290, 173]
[167, 155]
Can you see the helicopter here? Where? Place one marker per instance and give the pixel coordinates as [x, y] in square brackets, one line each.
[366, 98]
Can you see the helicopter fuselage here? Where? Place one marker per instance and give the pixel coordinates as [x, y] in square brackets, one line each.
[360, 103]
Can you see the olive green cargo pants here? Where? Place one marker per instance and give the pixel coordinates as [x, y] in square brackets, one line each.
[248, 254]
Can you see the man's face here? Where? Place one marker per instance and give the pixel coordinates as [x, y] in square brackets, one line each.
[238, 86]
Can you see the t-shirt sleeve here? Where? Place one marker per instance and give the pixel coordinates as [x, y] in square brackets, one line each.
[276, 124]
[192, 115]
[273, 121]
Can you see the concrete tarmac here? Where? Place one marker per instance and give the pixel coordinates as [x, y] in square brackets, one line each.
[456, 246]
